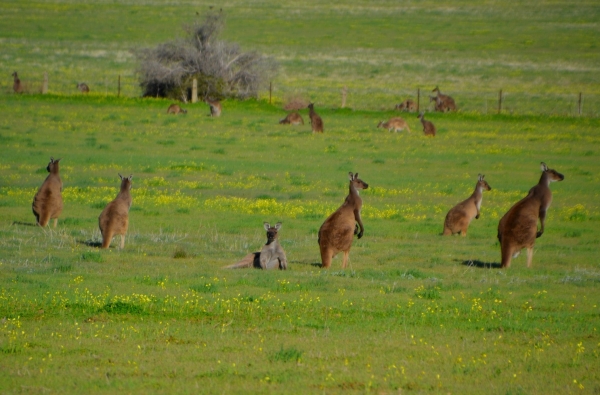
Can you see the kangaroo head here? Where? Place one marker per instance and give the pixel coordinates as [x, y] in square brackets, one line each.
[552, 174]
[420, 116]
[311, 106]
[380, 124]
[436, 89]
[272, 231]
[481, 183]
[125, 182]
[356, 182]
[53, 165]
[14, 74]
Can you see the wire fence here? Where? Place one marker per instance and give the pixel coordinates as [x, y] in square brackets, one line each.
[492, 101]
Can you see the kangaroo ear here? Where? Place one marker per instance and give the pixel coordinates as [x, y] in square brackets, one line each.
[278, 225]
[120, 176]
[130, 177]
[479, 177]
[51, 159]
[356, 176]
[544, 167]
[57, 160]
[266, 226]
[351, 176]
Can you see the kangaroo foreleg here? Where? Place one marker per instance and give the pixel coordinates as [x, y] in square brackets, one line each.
[359, 220]
[542, 223]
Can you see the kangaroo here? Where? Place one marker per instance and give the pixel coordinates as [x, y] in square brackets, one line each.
[315, 119]
[271, 256]
[47, 202]
[460, 216]
[17, 86]
[394, 124]
[339, 228]
[83, 87]
[517, 229]
[444, 102]
[428, 126]
[114, 219]
[292, 118]
[407, 105]
[175, 109]
[215, 107]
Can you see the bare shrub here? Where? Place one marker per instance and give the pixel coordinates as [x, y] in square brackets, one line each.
[221, 68]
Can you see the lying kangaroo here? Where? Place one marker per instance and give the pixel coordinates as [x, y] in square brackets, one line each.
[428, 126]
[394, 124]
[518, 227]
[48, 202]
[83, 87]
[338, 230]
[315, 119]
[460, 216]
[271, 256]
[175, 109]
[292, 118]
[114, 219]
[407, 105]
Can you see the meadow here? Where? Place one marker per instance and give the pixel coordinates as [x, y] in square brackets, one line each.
[415, 312]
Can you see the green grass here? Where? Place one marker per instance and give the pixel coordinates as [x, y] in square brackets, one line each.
[414, 312]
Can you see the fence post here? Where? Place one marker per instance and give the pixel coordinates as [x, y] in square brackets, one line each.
[45, 83]
[500, 102]
[119, 87]
[418, 99]
[194, 90]
[580, 103]
[344, 94]
[270, 91]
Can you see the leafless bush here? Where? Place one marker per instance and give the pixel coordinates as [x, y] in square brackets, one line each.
[221, 69]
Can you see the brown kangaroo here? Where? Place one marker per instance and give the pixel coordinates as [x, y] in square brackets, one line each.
[114, 219]
[428, 126]
[315, 119]
[292, 118]
[339, 228]
[407, 105]
[518, 227]
[394, 124]
[48, 202]
[83, 87]
[175, 109]
[460, 216]
[215, 107]
[271, 256]
[443, 102]
[17, 86]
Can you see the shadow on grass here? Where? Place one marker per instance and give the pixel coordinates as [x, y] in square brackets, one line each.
[90, 243]
[24, 223]
[305, 263]
[481, 265]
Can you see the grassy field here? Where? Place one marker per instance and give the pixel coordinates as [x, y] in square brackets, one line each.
[541, 54]
[414, 313]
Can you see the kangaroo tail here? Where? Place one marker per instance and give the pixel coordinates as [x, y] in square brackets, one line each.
[106, 239]
[246, 262]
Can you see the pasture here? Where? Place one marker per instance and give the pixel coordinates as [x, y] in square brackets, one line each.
[415, 312]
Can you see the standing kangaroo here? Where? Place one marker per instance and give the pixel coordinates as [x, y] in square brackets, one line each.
[271, 256]
[114, 219]
[460, 216]
[215, 107]
[175, 109]
[443, 102]
[315, 120]
[48, 202]
[292, 118]
[17, 86]
[428, 126]
[518, 227]
[394, 124]
[339, 228]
